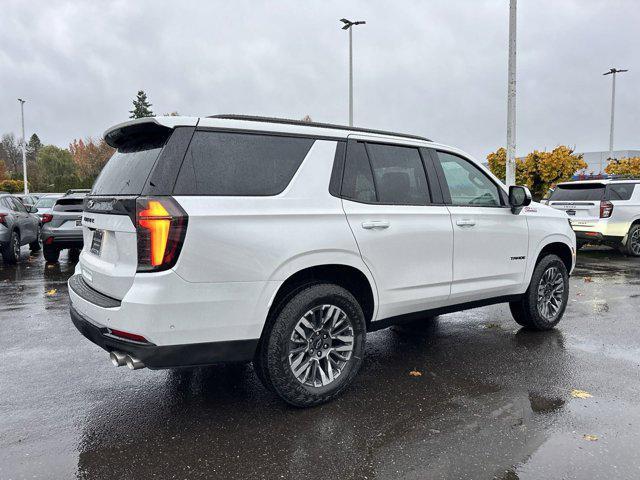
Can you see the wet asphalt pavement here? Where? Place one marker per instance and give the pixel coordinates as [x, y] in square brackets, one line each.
[493, 400]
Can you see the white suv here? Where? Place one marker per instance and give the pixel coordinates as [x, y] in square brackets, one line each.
[602, 212]
[234, 239]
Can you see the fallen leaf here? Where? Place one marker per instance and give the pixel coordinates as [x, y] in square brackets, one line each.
[591, 438]
[51, 292]
[578, 294]
[491, 325]
[50, 265]
[415, 373]
[580, 394]
[588, 279]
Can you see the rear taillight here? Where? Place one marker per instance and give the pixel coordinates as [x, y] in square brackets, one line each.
[2, 220]
[46, 217]
[128, 336]
[606, 209]
[161, 225]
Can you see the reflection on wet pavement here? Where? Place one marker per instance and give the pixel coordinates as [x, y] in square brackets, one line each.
[493, 400]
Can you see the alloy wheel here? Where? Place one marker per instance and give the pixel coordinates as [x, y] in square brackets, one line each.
[550, 293]
[634, 241]
[16, 247]
[321, 345]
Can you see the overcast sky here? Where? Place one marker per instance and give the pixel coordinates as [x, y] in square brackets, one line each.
[436, 68]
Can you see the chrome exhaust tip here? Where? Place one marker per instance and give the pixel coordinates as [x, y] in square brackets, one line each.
[118, 359]
[133, 363]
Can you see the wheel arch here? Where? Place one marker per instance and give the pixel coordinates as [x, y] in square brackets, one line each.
[353, 279]
[559, 248]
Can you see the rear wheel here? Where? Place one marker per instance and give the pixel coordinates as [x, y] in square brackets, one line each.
[632, 247]
[11, 251]
[51, 254]
[36, 245]
[543, 304]
[313, 349]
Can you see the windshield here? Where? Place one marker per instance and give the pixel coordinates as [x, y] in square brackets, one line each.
[46, 202]
[578, 192]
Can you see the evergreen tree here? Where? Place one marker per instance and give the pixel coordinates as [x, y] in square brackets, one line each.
[141, 106]
[33, 147]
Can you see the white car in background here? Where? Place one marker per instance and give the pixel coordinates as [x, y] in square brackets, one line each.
[236, 239]
[602, 212]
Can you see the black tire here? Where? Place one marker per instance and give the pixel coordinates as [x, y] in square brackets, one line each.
[36, 245]
[632, 247]
[11, 251]
[526, 312]
[74, 254]
[272, 363]
[51, 254]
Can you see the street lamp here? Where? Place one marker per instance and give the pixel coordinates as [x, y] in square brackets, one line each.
[510, 176]
[24, 148]
[347, 26]
[613, 72]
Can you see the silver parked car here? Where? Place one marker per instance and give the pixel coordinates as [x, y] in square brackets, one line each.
[18, 226]
[62, 226]
[45, 203]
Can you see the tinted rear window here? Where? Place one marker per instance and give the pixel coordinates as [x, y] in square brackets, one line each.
[219, 163]
[128, 169]
[68, 205]
[578, 192]
[620, 191]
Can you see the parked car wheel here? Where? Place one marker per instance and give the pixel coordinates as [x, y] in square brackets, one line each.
[632, 247]
[11, 251]
[51, 254]
[36, 245]
[313, 348]
[544, 302]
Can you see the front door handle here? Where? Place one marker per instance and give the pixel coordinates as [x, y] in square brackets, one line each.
[465, 223]
[375, 224]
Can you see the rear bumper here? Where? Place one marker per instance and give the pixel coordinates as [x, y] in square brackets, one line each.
[597, 238]
[167, 356]
[62, 239]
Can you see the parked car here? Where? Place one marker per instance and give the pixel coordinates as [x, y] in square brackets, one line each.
[232, 239]
[27, 200]
[62, 227]
[18, 226]
[602, 212]
[45, 203]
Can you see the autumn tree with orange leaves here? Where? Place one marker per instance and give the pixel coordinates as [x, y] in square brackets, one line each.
[629, 166]
[89, 157]
[539, 170]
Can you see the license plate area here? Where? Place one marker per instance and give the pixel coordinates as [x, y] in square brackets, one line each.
[96, 242]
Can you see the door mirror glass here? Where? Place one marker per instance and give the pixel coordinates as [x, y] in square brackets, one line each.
[519, 197]
[31, 209]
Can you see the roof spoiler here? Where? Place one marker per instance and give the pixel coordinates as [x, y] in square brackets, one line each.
[117, 135]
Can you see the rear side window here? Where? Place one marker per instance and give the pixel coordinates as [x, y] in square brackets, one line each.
[46, 202]
[238, 164]
[357, 183]
[128, 169]
[620, 191]
[399, 174]
[68, 205]
[578, 192]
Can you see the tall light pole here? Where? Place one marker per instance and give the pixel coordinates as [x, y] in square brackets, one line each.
[24, 148]
[613, 72]
[510, 177]
[347, 26]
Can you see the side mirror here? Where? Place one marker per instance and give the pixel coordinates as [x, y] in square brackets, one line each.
[31, 209]
[519, 197]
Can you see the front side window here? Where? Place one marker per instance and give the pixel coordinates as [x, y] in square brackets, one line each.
[468, 185]
[239, 164]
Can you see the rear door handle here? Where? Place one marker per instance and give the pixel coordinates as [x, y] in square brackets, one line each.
[375, 224]
[465, 223]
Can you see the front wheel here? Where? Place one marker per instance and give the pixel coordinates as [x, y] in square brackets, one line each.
[632, 247]
[543, 304]
[313, 348]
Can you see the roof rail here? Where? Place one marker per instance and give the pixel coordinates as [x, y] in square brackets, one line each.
[302, 123]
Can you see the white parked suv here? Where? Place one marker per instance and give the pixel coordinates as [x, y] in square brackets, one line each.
[235, 239]
[603, 212]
